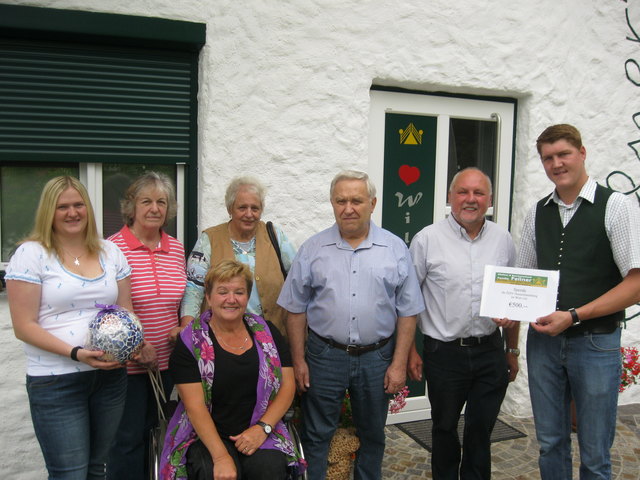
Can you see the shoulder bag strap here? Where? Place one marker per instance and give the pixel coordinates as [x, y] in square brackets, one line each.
[158, 392]
[274, 242]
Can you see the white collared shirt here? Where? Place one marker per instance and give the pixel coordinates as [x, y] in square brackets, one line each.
[450, 268]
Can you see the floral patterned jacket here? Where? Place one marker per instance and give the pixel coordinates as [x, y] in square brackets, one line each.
[180, 432]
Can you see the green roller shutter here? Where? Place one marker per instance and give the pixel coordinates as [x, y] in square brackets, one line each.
[88, 104]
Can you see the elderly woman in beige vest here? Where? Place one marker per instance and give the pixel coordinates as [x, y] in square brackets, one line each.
[244, 238]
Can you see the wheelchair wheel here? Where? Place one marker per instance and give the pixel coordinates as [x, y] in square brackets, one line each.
[156, 442]
[295, 438]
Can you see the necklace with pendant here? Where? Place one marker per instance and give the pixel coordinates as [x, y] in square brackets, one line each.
[76, 259]
[241, 347]
[245, 248]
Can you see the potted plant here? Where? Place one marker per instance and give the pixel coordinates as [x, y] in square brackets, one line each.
[630, 367]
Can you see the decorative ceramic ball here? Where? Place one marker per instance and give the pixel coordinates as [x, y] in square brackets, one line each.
[117, 332]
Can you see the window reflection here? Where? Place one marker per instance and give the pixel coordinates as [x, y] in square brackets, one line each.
[21, 185]
[472, 143]
[20, 188]
[116, 178]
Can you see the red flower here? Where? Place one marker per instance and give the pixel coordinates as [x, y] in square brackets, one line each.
[630, 367]
[399, 400]
[396, 404]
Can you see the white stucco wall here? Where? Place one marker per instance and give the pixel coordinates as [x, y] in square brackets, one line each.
[284, 94]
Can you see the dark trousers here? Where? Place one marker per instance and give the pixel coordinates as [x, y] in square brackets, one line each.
[129, 454]
[264, 464]
[478, 376]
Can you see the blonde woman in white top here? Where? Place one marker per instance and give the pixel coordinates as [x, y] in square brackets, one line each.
[54, 281]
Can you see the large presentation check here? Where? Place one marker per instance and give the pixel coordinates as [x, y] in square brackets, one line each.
[522, 294]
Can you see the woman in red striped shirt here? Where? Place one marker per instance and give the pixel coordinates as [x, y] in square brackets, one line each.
[157, 285]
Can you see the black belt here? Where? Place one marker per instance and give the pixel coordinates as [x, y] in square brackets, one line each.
[471, 341]
[353, 349]
[608, 327]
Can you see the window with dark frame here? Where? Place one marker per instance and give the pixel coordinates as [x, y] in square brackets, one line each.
[100, 96]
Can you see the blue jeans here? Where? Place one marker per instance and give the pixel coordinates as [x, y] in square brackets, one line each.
[478, 376]
[75, 417]
[128, 458]
[331, 372]
[586, 368]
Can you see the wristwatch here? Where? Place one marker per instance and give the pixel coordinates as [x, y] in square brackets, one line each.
[575, 319]
[515, 351]
[266, 427]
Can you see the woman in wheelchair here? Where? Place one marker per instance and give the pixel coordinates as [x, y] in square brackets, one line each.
[235, 380]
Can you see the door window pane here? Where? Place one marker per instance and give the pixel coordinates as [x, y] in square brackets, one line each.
[472, 143]
[116, 178]
[20, 189]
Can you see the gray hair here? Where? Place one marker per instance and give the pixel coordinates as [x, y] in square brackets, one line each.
[476, 169]
[252, 184]
[150, 179]
[353, 175]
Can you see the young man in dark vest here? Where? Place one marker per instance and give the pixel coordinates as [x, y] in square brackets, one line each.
[592, 235]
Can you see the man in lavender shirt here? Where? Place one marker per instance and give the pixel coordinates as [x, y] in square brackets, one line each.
[352, 292]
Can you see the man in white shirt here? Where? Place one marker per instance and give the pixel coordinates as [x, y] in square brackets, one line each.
[464, 355]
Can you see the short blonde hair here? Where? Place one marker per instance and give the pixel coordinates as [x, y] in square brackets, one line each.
[224, 271]
[43, 226]
[157, 180]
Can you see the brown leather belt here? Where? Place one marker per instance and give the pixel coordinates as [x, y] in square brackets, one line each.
[353, 349]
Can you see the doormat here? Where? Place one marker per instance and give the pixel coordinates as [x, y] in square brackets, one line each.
[420, 431]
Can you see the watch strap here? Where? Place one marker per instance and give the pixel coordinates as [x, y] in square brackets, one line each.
[575, 319]
[265, 426]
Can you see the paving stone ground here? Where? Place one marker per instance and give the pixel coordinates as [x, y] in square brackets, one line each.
[517, 459]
